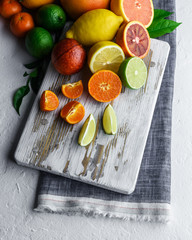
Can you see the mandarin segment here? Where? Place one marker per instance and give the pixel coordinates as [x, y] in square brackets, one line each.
[73, 112]
[104, 86]
[49, 101]
[72, 90]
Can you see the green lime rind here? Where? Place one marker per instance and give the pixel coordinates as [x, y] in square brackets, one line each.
[39, 42]
[133, 73]
[109, 120]
[87, 132]
[51, 17]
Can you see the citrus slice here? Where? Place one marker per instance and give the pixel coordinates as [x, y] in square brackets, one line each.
[49, 101]
[134, 10]
[109, 120]
[73, 112]
[134, 39]
[105, 55]
[104, 86]
[87, 132]
[133, 73]
[72, 90]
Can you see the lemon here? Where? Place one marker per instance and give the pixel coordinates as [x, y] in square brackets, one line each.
[109, 120]
[105, 55]
[94, 26]
[87, 132]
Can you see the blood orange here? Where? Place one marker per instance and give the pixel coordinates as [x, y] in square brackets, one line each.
[134, 39]
[134, 10]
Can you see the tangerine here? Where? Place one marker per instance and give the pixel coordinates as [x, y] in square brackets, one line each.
[21, 23]
[72, 90]
[9, 7]
[49, 101]
[73, 112]
[104, 86]
[134, 39]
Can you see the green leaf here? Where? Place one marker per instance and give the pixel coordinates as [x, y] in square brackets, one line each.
[33, 64]
[160, 14]
[162, 27]
[19, 95]
[34, 73]
[25, 74]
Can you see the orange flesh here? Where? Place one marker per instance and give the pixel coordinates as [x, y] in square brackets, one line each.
[139, 10]
[73, 112]
[104, 86]
[137, 40]
[72, 90]
[49, 101]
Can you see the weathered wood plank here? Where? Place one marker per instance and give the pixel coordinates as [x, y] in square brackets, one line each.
[50, 144]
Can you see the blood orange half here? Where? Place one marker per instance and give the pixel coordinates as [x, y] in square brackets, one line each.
[134, 10]
[134, 39]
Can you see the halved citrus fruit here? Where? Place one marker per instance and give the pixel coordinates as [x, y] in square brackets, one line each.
[133, 72]
[134, 10]
[104, 86]
[73, 112]
[105, 55]
[49, 101]
[72, 90]
[134, 39]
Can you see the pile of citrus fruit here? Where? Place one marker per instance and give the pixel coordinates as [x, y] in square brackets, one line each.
[111, 33]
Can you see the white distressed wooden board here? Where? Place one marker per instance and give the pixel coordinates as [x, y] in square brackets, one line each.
[113, 162]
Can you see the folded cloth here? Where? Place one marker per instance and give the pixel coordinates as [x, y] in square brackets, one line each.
[151, 199]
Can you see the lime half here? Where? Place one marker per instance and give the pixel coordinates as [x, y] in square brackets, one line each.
[109, 120]
[133, 72]
[87, 132]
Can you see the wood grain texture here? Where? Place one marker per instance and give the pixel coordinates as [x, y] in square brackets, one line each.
[50, 144]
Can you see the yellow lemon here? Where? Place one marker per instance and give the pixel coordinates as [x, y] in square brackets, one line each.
[105, 55]
[94, 26]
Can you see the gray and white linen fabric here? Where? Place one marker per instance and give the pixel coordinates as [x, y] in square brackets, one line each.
[151, 199]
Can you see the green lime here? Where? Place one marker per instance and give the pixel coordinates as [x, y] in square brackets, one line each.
[133, 72]
[39, 42]
[51, 17]
[87, 132]
[109, 120]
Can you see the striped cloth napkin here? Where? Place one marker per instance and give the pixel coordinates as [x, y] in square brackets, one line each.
[151, 199]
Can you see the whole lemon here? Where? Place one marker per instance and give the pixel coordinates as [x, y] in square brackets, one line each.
[94, 26]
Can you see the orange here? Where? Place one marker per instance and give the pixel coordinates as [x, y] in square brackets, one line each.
[76, 8]
[134, 10]
[134, 39]
[73, 112]
[21, 23]
[72, 90]
[31, 4]
[9, 7]
[49, 101]
[104, 86]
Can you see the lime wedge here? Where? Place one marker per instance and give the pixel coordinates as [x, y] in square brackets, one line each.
[133, 72]
[87, 131]
[109, 120]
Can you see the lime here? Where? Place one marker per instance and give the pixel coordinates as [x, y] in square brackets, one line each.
[39, 42]
[105, 55]
[87, 132]
[51, 17]
[133, 72]
[109, 120]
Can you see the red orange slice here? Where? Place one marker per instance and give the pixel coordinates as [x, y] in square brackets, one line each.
[134, 39]
[134, 10]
